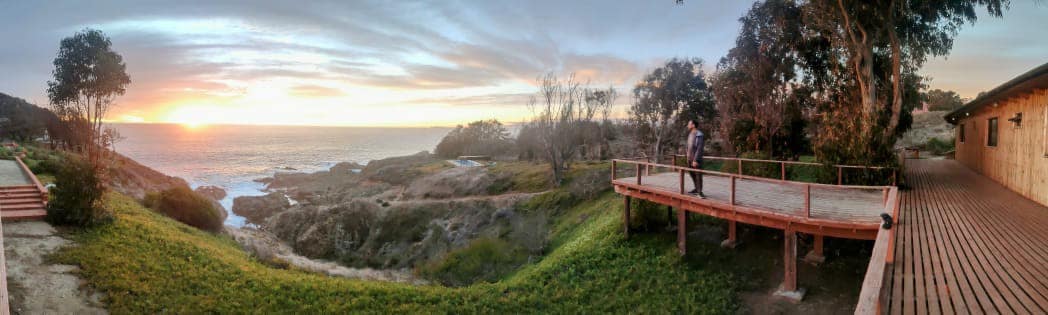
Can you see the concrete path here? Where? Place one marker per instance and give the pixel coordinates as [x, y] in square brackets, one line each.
[37, 286]
[11, 174]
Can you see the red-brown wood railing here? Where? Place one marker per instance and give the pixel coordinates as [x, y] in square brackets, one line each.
[644, 167]
[782, 166]
[32, 177]
[872, 297]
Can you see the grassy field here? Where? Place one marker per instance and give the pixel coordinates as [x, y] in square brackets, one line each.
[147, 263]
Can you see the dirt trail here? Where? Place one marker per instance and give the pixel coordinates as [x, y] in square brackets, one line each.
[37, 286]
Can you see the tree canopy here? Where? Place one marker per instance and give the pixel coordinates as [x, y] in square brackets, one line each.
[849, 67]
[939, 100]
[665, 100]
[88, 76]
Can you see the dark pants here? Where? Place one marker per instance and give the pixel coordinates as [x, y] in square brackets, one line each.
[696, 178]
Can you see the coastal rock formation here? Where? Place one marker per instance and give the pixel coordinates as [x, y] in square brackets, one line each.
[133, 179]
[213, 192]
[365, 234]
[267, 248]
[256, 209]
[453, 182]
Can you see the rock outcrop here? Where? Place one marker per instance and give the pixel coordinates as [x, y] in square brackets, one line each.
[256, 209]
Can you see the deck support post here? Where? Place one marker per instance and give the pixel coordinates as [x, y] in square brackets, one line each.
[682, 231]
[731, 241]
[669, 218]
[815, 256]
[788, 290]
[626, 216]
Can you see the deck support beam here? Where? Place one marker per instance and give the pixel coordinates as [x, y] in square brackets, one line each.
[788, 290]
[682, 231]
[732, 240]
[815, 256]
[626, 216]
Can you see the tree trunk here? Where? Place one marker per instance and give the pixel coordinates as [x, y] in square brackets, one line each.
[896, 83]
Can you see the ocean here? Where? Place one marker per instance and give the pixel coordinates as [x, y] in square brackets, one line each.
[232, 157]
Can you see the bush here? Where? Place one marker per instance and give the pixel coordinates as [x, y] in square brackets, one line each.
[76, 197]
[186, 206]
[484, 259]
[938, 146]
[482, 137]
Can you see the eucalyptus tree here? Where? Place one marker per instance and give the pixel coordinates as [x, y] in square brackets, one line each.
[87, 78]
[663, 102]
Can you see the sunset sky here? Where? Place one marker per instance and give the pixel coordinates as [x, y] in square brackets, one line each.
[403, 63]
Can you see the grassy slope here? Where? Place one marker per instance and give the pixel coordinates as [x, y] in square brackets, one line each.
[147, 263]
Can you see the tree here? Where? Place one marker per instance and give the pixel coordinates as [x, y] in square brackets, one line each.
[874, 49]
[759, 89]
[939, 100]
[561, 110]
[482, 137]
[663, 102]
[87, 78]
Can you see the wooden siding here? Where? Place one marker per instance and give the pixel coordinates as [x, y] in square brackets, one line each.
[1020, 159]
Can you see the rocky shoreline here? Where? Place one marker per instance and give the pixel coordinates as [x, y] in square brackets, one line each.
[381, 220]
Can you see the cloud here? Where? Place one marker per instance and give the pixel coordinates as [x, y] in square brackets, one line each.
[315, 91]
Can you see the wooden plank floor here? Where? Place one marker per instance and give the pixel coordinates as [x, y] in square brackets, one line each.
[840, 204]
[966, 244]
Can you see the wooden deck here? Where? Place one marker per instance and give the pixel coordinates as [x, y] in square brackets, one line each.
[794, 207]
[965, 244]
[829, 203]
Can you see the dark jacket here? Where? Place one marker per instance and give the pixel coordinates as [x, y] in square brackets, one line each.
[696, 150]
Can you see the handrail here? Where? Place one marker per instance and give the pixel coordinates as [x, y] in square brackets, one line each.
[36, 182]
[748, 177]
[871, 298]
[782, 164]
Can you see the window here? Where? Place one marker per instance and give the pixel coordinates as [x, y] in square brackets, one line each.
[991, 132]
[961, 136]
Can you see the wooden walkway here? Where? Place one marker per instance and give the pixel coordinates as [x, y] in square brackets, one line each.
[831, 203]
[965, 244]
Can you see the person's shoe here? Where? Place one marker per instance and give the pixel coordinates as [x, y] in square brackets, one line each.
[693, 191]
[701, 195]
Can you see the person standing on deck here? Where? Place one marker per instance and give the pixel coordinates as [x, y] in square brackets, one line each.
[696, 141]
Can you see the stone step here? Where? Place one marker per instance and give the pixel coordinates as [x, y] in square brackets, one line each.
[20, 196]
[19, 190]
[17, 207]
[34, 214]
[15, 201]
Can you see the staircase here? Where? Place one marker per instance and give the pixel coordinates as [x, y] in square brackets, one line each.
[23, 202]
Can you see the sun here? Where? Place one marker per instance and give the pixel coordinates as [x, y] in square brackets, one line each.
[192, 125]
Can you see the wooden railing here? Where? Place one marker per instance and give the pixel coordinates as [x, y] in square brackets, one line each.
[643, 168]
[5, 305]
[32, 177]
[782, 166]
[872, 297]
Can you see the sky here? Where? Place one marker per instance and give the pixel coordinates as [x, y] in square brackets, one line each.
[407, 63]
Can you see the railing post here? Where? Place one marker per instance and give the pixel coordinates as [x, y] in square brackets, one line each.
[638, 173]
[740, 166]
[807, 200]
[895, 176]
[613, 166]
[733, 190]
[839, 177]
[782, 168]
[681, 181]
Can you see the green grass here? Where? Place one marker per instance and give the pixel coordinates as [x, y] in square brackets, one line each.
[147, 263]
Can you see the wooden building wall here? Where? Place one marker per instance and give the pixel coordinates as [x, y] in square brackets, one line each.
[1020, 160]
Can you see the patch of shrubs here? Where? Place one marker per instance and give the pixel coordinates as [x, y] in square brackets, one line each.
[939, 146]
[484, 259]
[186, 206]
[76, 198]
